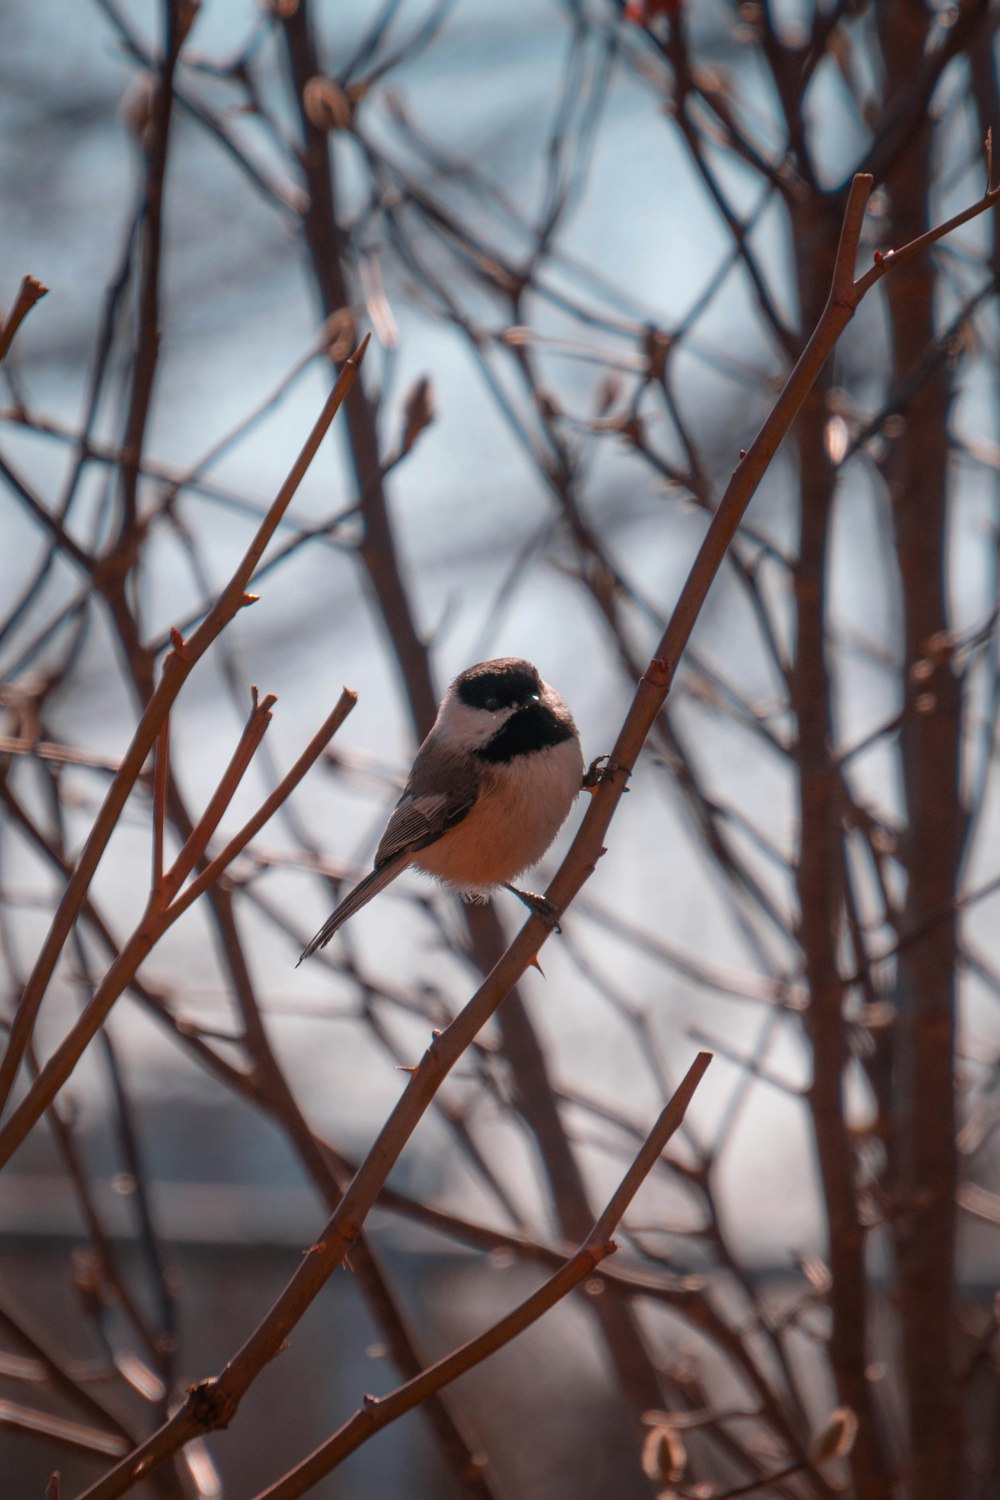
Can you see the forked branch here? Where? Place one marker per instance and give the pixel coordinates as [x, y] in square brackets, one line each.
[177, 666]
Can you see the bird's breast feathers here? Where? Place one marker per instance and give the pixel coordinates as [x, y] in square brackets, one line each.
[520, 808]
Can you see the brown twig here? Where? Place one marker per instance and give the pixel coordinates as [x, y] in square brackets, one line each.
[161, 769]
[197, 841]
[28, 293]
[269, 806]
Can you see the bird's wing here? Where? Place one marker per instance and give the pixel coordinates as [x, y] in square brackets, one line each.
[442, 788]
[447, 791]
[419, 821]
[354, 900]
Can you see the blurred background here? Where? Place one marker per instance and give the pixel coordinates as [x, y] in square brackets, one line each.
[589, 242]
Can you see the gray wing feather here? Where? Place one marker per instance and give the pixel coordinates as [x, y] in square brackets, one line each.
[440, 792]
[354, 900]
[417, 822]
[448, 787]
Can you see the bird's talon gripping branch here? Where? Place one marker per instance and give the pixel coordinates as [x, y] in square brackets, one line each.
[600, 768]
[592, 776]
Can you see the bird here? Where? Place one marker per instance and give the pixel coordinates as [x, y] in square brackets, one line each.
[490, 788]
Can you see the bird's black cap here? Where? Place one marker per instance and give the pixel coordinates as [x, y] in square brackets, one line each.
[503, 683]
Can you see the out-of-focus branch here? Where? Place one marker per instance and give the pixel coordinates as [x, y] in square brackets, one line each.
[923, 1170]
[324, 238]
[145, 358]
[57, 1374]
[820, 880]
[65, 1434]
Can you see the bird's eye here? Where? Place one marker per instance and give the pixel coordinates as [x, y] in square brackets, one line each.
[533, 697]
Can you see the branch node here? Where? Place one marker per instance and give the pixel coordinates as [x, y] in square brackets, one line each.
[659, 672]
[210, 1406]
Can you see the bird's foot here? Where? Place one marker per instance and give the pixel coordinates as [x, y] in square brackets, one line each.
[539, 906]
[600, 767]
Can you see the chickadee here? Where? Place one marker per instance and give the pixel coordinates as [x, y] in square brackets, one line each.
[489, 790]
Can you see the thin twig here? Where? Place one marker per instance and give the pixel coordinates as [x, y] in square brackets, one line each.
[28, 293]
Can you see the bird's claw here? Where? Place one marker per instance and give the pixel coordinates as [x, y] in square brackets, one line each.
[600, 767]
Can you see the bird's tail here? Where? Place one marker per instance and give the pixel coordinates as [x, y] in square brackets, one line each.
[355, 900]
